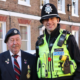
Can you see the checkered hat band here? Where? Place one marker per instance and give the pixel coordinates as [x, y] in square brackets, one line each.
[50, 15]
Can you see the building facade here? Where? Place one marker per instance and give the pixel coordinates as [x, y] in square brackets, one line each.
[25, 15]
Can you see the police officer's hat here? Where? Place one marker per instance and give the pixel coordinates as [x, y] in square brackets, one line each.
[49, 11]
[11, 32]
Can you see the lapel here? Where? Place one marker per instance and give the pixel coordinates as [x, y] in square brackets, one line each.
[24, 64]
[9, 66]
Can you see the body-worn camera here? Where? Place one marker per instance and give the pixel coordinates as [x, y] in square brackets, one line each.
[61, 40]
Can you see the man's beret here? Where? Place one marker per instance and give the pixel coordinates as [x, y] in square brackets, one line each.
[11, 32]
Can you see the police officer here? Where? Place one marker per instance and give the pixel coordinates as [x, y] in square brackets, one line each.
[58, 56]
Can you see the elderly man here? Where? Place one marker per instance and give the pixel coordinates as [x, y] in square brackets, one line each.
[15, 64]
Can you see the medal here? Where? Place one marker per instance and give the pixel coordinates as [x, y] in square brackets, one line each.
[28, 72]
[28, 75]
[7, 61]
[28, 67]
[25, 61]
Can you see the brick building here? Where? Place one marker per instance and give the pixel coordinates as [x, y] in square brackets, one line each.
[25, 14]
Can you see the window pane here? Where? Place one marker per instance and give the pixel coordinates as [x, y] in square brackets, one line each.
[1, 35]
[43, 2]
[60, 5]
[74, 6]
[23, 31]
[1, 46]
[23, 0]
[75, 33]
[24, 45]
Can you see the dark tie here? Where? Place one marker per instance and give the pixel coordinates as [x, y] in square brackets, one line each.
[16, 68]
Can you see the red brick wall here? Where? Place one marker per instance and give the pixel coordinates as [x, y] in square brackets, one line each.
[24, 21]
[3, 18]
[76, 28]
[62, 26]
[12, 5]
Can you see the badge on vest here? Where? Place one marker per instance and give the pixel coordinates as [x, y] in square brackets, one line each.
[58, 51]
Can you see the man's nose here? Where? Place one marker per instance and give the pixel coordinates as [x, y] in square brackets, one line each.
[15, 41]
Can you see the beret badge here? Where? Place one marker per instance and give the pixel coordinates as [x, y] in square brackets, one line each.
[15, 31]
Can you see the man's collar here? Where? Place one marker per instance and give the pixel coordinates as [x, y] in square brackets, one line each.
[19, 53]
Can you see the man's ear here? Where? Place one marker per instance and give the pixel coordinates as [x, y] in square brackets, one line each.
[7, 43]
[42, 21]
[57, 20]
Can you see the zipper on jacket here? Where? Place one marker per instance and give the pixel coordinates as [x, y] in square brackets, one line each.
[49, 40]
[48, 55]
[49, 65]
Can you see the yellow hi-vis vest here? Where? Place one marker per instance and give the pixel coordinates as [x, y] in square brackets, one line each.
[48, 62]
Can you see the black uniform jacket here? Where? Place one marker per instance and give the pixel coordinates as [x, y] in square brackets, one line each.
[6, 68]
[71, 46]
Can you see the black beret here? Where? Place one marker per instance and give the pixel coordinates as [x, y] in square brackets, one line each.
[11, 32]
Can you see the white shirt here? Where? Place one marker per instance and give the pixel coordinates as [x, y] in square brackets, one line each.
[18, 59]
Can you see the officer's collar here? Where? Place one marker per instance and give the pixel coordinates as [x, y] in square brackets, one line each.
[54, 32]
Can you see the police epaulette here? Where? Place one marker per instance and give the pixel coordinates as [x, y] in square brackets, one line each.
[66, 32]
[62, 38]
[40, 40]
[40, 36]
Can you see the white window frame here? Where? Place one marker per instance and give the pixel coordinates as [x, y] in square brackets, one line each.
[63, 7]
[41, 30]
[3, 0]
[28, 37]
[76, 13]
[47, 1]
[27, 3]
[4, 47]
[62, 29]
[77, 34]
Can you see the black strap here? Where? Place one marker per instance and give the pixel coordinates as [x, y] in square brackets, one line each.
[62, 38]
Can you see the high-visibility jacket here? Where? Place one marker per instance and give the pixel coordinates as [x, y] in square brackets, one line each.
[49, 64]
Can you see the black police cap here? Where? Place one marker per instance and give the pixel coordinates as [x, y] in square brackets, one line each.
[11, 32]
[49, 11]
